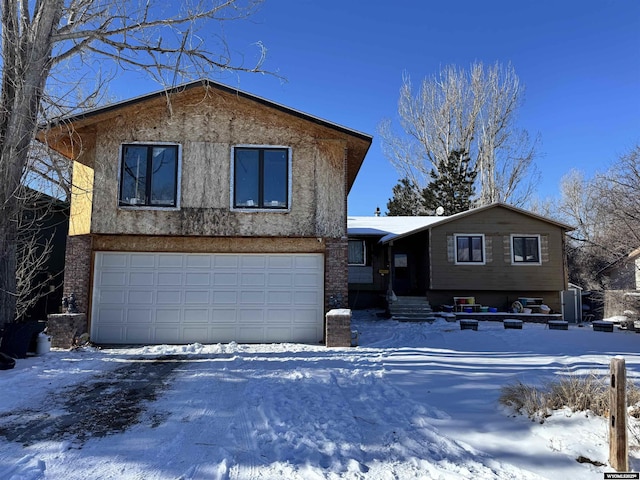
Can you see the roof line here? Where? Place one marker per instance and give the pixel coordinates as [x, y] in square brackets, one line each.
[213, 84]
[471, 212]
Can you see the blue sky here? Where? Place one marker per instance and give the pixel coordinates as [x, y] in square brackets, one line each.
[343, 60]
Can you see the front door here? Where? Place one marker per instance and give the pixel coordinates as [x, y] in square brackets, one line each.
[401, 273]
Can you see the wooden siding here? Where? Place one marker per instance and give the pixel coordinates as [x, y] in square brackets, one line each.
[81, 200]
[498, 274]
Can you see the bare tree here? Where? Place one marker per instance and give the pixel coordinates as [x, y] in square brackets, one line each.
[45, 43]
[472, 113]
[605, 212]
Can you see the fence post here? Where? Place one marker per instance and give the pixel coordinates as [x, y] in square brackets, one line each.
[618, 447]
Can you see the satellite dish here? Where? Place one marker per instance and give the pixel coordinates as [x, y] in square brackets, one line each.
[439, 211]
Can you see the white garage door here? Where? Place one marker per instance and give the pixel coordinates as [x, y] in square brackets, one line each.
[154, 298]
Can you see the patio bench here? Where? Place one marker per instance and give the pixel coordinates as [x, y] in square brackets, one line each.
[469, 325]
[600, 326]
[558, 325]
[512, 323]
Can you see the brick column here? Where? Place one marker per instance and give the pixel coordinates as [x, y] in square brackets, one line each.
[77, 271]
[336, 273]
[338, 328]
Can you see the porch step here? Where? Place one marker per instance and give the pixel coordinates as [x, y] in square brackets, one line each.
[411, 309]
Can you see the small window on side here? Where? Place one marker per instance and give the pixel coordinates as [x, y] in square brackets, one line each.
[357, 253]
[525, 249]
[470, 249]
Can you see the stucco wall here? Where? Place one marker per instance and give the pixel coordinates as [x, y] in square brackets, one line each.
[207, 128]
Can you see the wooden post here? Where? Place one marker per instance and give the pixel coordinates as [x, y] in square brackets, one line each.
[618, 448]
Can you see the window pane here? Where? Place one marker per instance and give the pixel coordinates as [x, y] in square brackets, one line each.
[134, 175]
[163, 176]
[247, 168]
[275, 178]
[476, 243]
[532, 249]
[463, 249]
[518, 249]
[356, 252]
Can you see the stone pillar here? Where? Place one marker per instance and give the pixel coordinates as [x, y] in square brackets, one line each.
[338, 327]
[65, 328]
[77, 270]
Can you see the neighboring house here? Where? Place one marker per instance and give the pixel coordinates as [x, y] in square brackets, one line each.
[624, 274]
[496, 254]
[43, 226]
[207, 214]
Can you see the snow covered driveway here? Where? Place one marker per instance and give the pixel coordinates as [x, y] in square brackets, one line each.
[413, 401]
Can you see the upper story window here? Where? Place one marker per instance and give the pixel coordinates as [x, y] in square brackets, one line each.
[261, 178]
[470, 249]
[525, 249]
[357, 252]
[149, 175]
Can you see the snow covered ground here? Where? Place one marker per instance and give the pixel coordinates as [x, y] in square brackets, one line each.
[412, 401]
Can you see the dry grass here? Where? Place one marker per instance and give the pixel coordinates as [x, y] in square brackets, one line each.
[577, 392]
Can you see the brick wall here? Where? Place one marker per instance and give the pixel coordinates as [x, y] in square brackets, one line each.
[336, 283]
[77, 272]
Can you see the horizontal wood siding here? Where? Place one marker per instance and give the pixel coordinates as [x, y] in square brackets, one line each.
[497, 225]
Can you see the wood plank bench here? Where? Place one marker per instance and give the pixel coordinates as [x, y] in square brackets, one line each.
[469, 324]
[600, 326]
[512, 323]
[558, 325]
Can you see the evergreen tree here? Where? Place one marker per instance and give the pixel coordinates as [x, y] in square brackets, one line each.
[452, 185]
[407, 200]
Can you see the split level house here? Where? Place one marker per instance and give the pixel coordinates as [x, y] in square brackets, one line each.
[207, 214]
[493, 255]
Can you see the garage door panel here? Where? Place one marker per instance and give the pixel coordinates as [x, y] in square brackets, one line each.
[196, 297]
[250, 315]
[191, 334]
[249, 297]
[229, 279]
[115, 260]
[197, 279]
[198, 261]
[169, 297]
[225, 298]
[279, 298]
[168, 315]
[301, 316]
[170, 279]
[253, 262]
[220, 315]
[140, 297]
[170, 260]
[184, 298]
[305, 297]
[196, 316]
[112, 296]
[113, 279]
[138, 334]
[141, 279]
[142, 260]
[280, 280]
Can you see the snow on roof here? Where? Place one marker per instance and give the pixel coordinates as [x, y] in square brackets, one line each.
[387, 227]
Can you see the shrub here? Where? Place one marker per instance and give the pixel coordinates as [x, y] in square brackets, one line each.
[577, 392]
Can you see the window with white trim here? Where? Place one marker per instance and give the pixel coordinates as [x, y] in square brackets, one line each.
[470, 248]
[525, 249]
[261, 178]
[149, 175]
[357, 252]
